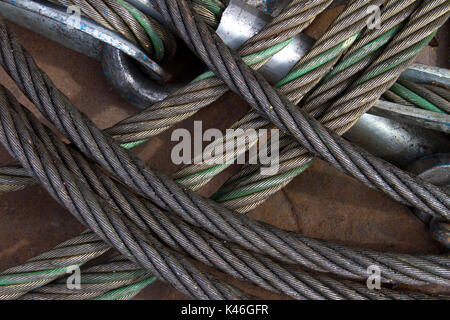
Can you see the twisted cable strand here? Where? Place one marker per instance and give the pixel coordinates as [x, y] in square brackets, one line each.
[443, 92]
[359, 56]
[207, 89]
[326, 51]
[195, 242]
[45, 267]
[123, 18]
[120, 279]
[16, 133]
[421, 96]
[249, 188]
[294, 284]
[312, 63]
[226, 225]
[77, 164]
[117, 279]
[342, 154]
[14, 178]
[291, 21]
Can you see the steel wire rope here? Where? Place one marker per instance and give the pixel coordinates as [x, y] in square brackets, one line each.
[298, 284]
[285, 243]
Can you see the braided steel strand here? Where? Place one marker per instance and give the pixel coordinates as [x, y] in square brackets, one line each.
[248, 189]
[421, 96]
[318, 140]
[209, 10]
[359, 56]
[74, 161]
[116, 230]
[206, 89]
[327, 50]
[226, 225]
[118, 16]
[395, 98]
[14, 178]
[202, 246]
[119, 279]
[198, 175]
[50, 265]
[441, 91]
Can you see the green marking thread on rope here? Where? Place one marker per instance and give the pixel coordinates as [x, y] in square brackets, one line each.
[125, 291]
[157, 42]
[224, 195]
[208, 172]
[404, 56]
[364, 51]
[214, 6]
[415, 98]
[5, 280]
[130, 145]
[252, 59]
[317, 61]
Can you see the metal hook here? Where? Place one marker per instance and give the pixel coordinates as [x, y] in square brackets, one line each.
[131, 80]
[128, 68]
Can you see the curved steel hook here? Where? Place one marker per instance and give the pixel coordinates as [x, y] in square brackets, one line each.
[123, 61]
[132, 81]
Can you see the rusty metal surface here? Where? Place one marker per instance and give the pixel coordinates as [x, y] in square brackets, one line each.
[344, 210]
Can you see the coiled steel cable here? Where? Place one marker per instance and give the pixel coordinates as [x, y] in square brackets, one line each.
[105, 187]
[329, 146]
[267, 272]
[360, 55]
[295, 283]
[16, 132]
[15, 174]
[283, 280]
[327, 49]
[206, 89]
[249, 188]
[198, 175]
[102, 283]
[252, 235]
